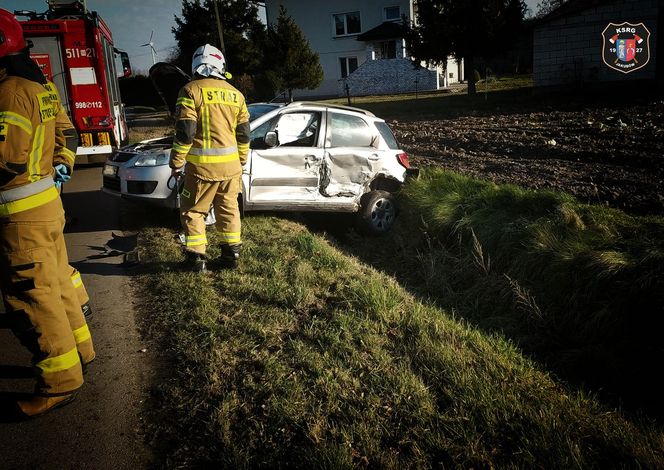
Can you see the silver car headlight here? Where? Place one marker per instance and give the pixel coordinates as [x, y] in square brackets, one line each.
[153, 159]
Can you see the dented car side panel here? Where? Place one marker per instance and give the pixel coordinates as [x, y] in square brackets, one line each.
[290, 171]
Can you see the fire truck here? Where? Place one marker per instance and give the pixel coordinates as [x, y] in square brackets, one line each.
[74, 49]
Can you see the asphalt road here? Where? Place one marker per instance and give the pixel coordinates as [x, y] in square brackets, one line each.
[102, 428]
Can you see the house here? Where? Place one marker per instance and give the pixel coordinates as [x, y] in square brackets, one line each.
[360, 44]
[594, 41]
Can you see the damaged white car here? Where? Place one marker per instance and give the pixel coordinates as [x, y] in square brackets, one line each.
[305, 156]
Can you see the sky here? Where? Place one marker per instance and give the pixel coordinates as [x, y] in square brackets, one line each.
[132, 22]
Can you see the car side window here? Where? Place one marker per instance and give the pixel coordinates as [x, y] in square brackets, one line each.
[349, 131]
[258, 135]
[298, 129]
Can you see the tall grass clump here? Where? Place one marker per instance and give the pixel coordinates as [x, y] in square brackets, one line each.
[307, 358]
[581, 286]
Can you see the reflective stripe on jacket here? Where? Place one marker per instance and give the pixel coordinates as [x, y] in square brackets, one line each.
[208, 114]
[66, 137]
[27, 140]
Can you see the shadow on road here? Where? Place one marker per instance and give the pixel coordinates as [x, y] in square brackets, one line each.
[90, 211]
[9, 411]
[16, 372]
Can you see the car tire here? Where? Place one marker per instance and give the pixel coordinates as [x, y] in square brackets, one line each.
[378, 211]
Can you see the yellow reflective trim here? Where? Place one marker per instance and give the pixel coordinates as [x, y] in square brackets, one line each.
[76, 280]
[213, 158]
[47, 109]
[196, 240]
[221, 96]
[59, 363]
[185, 101]
[231, 236]
[50, 86]
[181, 148]
[206, 127]
[17, 120]
[82, 334]
[36, 153]
[68, 154]
[29, 202]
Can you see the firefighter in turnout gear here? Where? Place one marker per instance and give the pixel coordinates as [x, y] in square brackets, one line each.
[212, 139]
[35, 277]
[64, 156]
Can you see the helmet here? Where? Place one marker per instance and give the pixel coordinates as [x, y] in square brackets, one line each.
[208, 61]
[11, 34]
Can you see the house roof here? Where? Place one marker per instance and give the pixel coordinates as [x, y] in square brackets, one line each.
[570, 7]
[387, 30]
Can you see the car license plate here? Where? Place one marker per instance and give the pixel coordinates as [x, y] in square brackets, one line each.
[110, 170]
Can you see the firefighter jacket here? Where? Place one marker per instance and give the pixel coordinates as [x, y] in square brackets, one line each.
[66, 137]
[28, 118]
[211, 130]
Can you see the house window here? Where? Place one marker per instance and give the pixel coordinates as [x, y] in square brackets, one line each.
[347, 23]
[392, 13]
[348, 65]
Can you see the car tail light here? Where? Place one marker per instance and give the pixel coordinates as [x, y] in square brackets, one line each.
[402, 158]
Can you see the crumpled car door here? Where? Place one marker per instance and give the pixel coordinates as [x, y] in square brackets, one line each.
[352, 158]
[289, 172]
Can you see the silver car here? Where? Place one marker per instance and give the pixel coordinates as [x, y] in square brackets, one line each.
[304, 156]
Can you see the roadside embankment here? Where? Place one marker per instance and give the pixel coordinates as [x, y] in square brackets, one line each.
[306, 357]
[579, 287]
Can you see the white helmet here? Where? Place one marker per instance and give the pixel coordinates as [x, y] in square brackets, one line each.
[209, 61]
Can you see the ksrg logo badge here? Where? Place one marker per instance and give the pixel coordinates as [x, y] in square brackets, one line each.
[626, 46]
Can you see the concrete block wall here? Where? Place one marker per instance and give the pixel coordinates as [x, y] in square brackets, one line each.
[388, 76]
[569, 50]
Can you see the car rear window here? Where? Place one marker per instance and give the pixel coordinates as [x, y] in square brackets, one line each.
[347, 130]
[388, 137]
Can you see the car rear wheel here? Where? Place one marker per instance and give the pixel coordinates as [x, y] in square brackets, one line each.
[377, 213]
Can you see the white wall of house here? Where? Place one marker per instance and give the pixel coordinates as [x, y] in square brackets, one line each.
[568, 50]
[316, 19]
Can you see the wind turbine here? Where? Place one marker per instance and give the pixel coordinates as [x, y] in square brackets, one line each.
[151, 44]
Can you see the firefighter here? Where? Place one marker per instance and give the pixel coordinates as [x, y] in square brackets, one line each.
[39, 296]
[66, 143]
[212, 138]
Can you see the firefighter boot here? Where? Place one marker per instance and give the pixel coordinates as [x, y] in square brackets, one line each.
[230, 254]
[38, 405]
[194, 262]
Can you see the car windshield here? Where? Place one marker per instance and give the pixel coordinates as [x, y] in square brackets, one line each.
[257, 110]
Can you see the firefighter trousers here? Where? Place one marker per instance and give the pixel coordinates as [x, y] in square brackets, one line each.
[77, 281]
[196, 198]
[41, 302]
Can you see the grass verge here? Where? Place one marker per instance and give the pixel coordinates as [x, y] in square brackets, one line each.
[581, 287]
[307, 358]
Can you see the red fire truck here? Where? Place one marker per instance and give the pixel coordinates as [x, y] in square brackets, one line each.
[74, 48]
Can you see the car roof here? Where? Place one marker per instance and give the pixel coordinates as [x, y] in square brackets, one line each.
[331, 106]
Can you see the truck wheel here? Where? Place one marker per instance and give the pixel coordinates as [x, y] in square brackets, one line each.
[377, 212]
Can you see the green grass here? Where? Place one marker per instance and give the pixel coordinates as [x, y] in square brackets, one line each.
[306, 357]
[580, 287]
